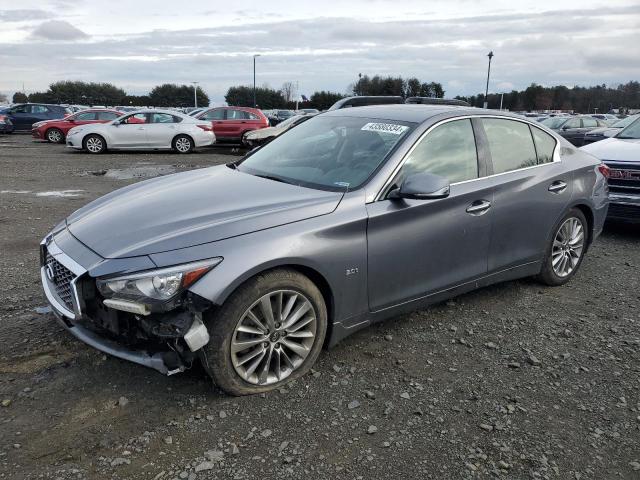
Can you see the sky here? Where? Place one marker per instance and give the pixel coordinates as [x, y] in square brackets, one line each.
[320, 45]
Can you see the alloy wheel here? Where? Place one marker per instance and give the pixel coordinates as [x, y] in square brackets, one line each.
[183, 144]
[94, 145]
[568, 246]
[273, 337]
[54, 136]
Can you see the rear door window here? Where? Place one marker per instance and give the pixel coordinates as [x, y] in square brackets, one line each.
[233, 114]
[589, 122]
[510, 144]
[83, 117]
[107, 116]
[164, 118]
[214, 115]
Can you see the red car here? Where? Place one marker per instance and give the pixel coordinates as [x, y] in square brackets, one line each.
[231, 123]
[55, 131]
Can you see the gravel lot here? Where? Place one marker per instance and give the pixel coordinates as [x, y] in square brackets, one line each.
[513, 381]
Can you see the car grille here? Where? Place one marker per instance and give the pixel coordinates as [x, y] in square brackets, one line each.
[624, 178]
[621, 211]
[61, 283]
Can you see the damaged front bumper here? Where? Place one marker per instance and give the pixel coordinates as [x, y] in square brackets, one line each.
[167, 343]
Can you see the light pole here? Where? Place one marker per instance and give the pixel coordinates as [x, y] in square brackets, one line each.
[254, 79]
[486, 92]
[501, 98]
[195, 94]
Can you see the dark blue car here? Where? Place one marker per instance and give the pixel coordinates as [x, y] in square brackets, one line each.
[23, 115]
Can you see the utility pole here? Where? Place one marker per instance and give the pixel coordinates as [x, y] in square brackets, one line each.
[501, 98]
[486, 92]
[254, 79]
[195, 94]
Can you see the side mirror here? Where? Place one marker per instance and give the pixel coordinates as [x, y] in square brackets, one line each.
[422, 186]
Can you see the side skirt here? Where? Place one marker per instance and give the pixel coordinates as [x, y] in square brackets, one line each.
[341, 330]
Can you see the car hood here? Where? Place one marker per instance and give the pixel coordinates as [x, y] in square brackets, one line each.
[263, 132]
[604, 131]
[192, 208]
[615, 149]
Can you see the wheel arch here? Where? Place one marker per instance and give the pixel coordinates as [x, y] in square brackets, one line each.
[311, 272]
[588, 214]
[101, 135]
[175, 137]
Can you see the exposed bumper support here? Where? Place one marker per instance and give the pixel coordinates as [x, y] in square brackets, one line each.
[141, 357]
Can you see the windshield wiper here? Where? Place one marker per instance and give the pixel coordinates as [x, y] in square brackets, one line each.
[627, 138]
[275, 179]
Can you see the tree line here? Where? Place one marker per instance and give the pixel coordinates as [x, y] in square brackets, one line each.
[535, 97]
[578, 99]
[83, 93]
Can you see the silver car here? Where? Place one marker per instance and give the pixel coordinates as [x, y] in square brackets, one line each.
[350, 218]
[144, 130]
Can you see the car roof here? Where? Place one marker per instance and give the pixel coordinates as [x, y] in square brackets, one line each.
[416, 113]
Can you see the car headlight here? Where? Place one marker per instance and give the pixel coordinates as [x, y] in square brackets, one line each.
[155, 285]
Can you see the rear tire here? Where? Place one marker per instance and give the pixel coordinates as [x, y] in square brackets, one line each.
[284, 349]
[94, 144]
[183, 144]
[54, 135]
[566, 249]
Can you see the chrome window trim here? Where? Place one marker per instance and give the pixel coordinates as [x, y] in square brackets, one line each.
[556, 151]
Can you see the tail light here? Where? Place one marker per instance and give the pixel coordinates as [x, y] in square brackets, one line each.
[3, 118]
[604, 170]
[206, 128]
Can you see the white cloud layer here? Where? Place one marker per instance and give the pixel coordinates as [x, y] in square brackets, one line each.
[137, 45]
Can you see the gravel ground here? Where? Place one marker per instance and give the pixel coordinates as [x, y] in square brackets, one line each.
[512, 381]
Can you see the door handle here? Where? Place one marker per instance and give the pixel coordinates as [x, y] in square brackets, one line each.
[558, 187]
[479, 207]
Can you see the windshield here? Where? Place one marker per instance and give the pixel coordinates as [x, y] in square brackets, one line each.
[632, 131]
[329, 153]
[554, 122]
[625, 121]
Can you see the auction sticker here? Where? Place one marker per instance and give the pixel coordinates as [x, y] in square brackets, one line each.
[385, 128]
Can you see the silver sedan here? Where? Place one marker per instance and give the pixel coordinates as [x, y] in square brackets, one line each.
[144, 130]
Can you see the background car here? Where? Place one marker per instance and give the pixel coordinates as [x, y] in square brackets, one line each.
[145, 129]
[573, 128]
[24, 115]
[55, 131]
[608, 118]
[231, 123]
[603, 133]
[6, 126]
[265, 135]
[622, 155]
[307, 111]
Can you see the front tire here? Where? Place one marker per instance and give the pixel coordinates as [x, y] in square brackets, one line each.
[183, 144]
[94, 144]
[54, 135]
[566, 249]
[269, 332]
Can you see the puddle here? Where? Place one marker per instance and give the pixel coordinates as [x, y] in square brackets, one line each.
[51, 193]
[143, 171]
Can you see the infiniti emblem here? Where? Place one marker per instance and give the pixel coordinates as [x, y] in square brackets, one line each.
[50, 273]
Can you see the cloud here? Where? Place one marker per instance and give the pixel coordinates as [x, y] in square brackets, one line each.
[580, 46]
[23, 15]
[58, 30]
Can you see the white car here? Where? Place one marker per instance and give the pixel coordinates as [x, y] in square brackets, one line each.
[144, 130]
